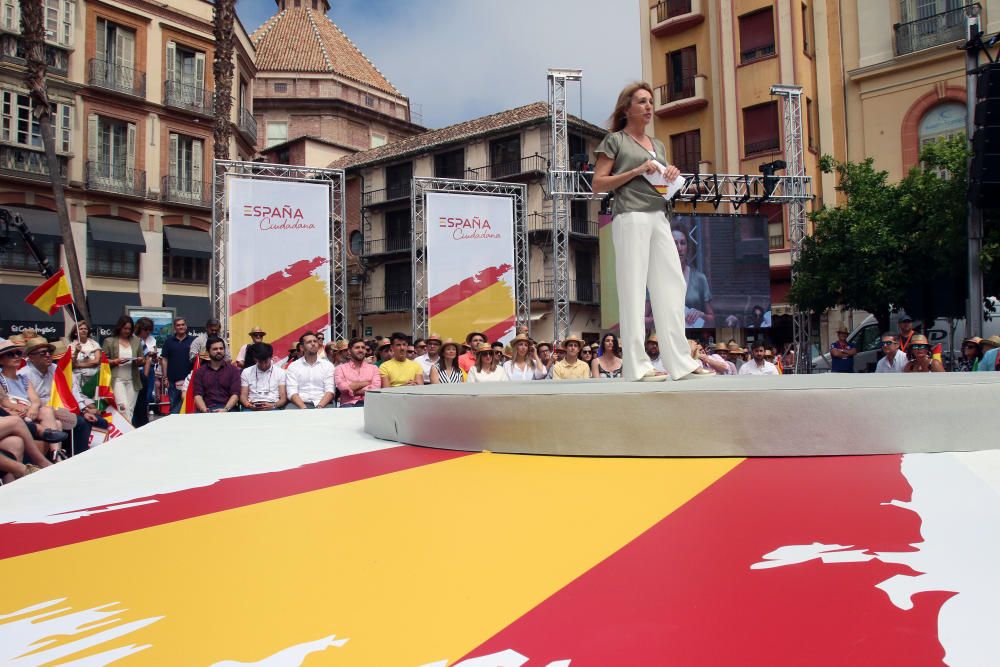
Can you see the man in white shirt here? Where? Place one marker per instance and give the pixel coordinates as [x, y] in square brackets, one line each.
[431, 357]
[758, 365]
[309, 380]
[894, 359]
[262, 385]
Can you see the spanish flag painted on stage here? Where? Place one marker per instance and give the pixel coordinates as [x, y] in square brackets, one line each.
[62, 386]
[51, 295]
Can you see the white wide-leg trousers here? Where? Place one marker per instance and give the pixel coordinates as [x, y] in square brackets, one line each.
[646, 257]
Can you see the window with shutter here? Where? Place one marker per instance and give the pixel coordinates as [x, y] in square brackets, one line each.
[757, 35]
[760, 129]
[682, 66]
[685, 151]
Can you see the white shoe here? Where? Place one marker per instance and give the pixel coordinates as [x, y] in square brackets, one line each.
[700, 372]
[654, 376]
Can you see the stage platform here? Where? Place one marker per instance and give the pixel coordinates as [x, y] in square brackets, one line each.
[298, 539]
[794, 415]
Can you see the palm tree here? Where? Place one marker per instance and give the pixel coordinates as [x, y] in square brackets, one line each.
[222, 68]
[33, 30]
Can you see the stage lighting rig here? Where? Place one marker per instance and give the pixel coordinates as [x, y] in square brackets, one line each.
[770, 180]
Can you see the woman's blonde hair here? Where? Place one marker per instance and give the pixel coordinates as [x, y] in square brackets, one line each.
[617, 120]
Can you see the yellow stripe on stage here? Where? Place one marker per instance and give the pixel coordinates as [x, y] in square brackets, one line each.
[411, 567]
[479, 312]
[282, 313]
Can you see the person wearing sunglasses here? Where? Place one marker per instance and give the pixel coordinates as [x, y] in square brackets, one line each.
[487, 368]
[894, 359]
[922, 361]
[18, 398]
[971, 352]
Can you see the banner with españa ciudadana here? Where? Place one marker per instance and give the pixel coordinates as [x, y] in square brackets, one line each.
[470, 265]
[278, 258]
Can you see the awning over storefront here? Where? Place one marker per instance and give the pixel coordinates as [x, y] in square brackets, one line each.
[44, 225]
[115, 233]
[107, 307]
[195, 309]
[188, 242]
[16, 315]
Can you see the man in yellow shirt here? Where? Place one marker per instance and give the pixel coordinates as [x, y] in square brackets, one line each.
[570, 367]
[398, 371]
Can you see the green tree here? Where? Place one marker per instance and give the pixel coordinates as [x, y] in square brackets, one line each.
[890, 244]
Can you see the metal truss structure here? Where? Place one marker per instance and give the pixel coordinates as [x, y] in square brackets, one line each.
[338, 232]
[795, 171]
[418, 207]
[560, 185]
[793, 189]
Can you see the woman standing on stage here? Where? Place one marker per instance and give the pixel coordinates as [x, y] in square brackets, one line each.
[645, 254]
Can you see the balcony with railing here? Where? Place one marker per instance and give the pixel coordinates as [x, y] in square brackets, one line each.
[769, 145]
[182, 190]
[776, 242]
[386, 246]
[247, 125]
[683, 95]
[393, 193]
[12, 50]
[583, 227]
[531, 165]
[188, 96]
[931, 31]
[26, 163]
[539, 222]
[391, 302]
[587, 292]
[120, 79]
[756, 53]
[116, 178]
[669, 17]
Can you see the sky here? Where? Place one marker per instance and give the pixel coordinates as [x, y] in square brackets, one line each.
[461, 59]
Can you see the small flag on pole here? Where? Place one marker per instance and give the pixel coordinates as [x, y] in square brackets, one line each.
[187, 404]
[51, 295]
[62, 386]
[98, 387]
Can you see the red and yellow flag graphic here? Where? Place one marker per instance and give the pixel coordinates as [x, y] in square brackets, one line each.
[51, 295]
[62, 386]
[187, 403]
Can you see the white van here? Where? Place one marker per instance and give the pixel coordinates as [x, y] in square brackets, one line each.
[867, 336]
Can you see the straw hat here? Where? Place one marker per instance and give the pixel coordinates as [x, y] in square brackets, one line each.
[60, 347]
[975, 340]
[449, 342]
[340, 345]
[573, 339]
[518, 338]
[8, 345]
[257, 330]
[919, 339]
[720, 347]
[37, 343]
[435, 338]
[735, 349]
[993, 341]
[384, 342]
[843, 329]
[483, 348]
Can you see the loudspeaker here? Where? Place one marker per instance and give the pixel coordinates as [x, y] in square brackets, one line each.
[984, 170]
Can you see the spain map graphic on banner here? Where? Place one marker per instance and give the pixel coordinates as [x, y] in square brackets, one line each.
[280, 233]
[470, 265]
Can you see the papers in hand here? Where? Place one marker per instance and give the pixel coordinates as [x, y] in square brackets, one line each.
[666, 188]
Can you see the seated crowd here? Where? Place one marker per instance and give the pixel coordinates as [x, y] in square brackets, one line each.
[319, 374]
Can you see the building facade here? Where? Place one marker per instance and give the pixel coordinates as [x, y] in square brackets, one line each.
[133, 92]
[712, 66]
[314, 84]
[508, 146]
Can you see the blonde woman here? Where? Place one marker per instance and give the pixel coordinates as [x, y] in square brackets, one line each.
[486, 368]
[524, 365]
[645, 253]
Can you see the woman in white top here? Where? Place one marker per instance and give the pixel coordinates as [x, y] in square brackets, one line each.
[486, 368]
[86, 353]
[525, 365]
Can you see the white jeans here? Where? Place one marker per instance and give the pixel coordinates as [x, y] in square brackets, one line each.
[646, 257]
[125, 395]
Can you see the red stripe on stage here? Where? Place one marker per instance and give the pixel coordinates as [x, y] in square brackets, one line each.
[284, 343]
[498, 330]
[19, 539]
[276, 282]
[463, 290]
[683, 592]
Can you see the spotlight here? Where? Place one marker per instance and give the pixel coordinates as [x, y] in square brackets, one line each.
[770, 180]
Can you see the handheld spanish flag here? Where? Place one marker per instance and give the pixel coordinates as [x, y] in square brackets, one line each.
[936, 352]
[62, 386]
[98, 387]
[51, 295]
[187, 404]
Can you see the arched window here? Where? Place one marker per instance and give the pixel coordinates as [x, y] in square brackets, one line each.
[941, 122]
[356, 243]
